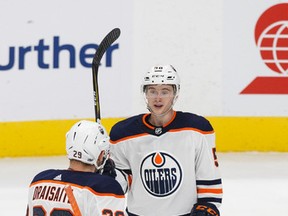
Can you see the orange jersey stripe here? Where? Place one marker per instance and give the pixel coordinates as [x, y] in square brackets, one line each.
[210, 190]
[130, 180]
[145, 123]
[152, 127]
[72, 200]
[193, 129]
[129, 137]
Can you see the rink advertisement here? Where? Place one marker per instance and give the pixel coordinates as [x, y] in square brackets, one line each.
[255, 75]
[46, 52]
[232, 57]
[271, 38]
[256, 58]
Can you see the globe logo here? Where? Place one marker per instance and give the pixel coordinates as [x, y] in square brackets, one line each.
[271, 35]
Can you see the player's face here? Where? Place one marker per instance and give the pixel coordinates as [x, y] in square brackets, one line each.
[160, 98]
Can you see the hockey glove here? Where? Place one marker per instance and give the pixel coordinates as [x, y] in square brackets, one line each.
[109, 168]
[204, 209]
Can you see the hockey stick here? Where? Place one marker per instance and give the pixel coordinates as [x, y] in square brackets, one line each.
[72, 200]
[103, 46]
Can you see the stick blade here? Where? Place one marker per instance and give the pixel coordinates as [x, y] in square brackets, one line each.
[109, 39]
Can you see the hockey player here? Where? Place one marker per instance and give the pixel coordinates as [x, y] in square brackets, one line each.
[87, 146]
[169, 157]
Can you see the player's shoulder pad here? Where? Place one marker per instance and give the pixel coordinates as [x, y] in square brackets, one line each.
[186, 119]
[98, 183]
[46, 175]
[127, 127]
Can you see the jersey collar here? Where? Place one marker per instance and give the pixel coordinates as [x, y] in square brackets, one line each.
[156, 130]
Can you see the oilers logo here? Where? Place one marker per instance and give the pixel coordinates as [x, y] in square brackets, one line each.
[161, 174]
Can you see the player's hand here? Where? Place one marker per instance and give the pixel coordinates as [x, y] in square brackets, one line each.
[109, 168]
[204, 209]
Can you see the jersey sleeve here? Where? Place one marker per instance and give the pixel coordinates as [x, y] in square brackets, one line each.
[208, 178]
[117, 154]
[118, 151]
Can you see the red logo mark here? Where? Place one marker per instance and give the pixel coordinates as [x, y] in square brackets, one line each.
[271, 37]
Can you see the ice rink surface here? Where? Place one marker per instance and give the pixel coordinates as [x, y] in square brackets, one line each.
[254, 183]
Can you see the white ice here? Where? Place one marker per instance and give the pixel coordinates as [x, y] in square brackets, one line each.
[254, 183]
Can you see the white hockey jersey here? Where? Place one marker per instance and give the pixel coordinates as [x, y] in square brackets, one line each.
[172, 167]
[95, 194]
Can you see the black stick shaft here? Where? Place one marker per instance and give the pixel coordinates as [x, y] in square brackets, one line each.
[109, 39]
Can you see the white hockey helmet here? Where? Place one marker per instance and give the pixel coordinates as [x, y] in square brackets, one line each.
[162, 74]
[85, 141]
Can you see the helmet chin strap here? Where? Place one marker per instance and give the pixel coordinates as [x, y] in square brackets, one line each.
[100, 168]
